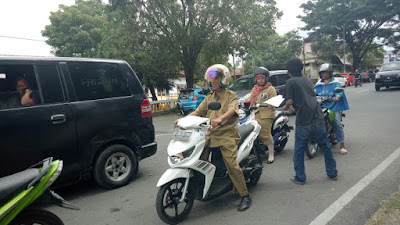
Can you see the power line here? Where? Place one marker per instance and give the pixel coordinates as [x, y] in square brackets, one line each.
[22, 38]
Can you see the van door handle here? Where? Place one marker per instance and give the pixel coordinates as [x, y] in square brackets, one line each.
[59, 118]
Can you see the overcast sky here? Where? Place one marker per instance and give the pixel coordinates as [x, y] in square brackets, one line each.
[23, 20]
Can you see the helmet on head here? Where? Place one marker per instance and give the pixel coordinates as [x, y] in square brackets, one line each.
[326, 67]
[261, 70]
[218, 70]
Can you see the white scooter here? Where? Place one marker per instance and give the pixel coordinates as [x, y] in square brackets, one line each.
[191, 177]
[280, 127]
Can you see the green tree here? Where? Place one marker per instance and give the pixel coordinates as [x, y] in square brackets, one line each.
[273, 52]
[76, 30]
[367, 24]
[372, 59]
[326, 47]
[187, 26]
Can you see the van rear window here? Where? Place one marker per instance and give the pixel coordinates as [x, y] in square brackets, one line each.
[98, 80]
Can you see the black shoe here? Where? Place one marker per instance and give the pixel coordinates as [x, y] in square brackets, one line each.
[245, 203]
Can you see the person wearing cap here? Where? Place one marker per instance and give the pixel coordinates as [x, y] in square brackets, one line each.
[226, 137]
[260, 93]
[326, 87]
[309, 121]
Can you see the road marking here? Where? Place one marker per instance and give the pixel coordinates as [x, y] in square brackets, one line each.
[358, 92]
[343, 200]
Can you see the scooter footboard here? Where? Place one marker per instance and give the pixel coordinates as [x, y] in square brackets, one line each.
[172, 174]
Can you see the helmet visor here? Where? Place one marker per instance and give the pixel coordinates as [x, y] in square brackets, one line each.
[213, 73]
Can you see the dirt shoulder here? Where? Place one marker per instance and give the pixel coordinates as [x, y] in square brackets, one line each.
[388, 213]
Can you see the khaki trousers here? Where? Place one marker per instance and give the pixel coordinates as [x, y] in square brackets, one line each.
[265, 132]
[229, 154]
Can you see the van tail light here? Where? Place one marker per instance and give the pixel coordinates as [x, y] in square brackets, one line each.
[145, 108]
[195, 98]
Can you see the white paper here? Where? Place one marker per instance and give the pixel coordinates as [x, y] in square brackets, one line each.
[275, 101]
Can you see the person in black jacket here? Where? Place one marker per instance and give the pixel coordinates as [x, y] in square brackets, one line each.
[309, 121]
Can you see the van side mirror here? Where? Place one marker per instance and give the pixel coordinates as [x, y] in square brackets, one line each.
[214, 106]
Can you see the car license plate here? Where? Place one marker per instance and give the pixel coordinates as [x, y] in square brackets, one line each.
[387, 81]
[181, 136]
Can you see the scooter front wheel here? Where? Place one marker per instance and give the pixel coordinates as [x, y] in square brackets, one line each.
[37, 216]
[168, 205]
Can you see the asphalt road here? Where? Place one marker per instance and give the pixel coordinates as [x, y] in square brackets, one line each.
[367, 175]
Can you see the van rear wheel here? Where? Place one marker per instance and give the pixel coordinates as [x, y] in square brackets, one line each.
[115, 166]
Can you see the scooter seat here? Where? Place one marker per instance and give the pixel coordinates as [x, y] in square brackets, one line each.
[12, 184]
[244, 131]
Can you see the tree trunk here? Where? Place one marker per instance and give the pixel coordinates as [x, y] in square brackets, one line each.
[153, 93]
[356, 61]
[189, 75]
[189, 63]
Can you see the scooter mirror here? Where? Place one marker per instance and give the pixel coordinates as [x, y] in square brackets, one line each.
[246, 104]
[214, 106]
[338, 90]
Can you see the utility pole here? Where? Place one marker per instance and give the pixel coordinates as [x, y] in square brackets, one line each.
[344, 51]
[304, 59]
[234, 66]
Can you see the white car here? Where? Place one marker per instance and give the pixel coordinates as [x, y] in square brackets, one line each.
[342, 81]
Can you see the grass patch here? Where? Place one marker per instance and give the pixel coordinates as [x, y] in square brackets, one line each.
[389, 213]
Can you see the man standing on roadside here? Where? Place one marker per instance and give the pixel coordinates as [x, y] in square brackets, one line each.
[309, 121]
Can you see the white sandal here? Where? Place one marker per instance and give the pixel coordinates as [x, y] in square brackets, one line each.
[343, 151]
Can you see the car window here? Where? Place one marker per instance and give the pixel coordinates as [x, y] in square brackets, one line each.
[50, 84]
[282, 78]
[98, 80]
[390, 67]
[243, 84]
[16, 80]
[273, 80]
[185, 94]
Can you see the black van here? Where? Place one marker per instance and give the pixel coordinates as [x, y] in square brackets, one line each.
[91, 113]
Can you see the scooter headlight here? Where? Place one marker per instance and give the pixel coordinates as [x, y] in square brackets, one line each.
[181, 156]
[241, 114]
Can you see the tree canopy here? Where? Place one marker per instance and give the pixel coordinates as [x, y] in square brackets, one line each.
[159, 38]
[76, 30]
[188, 26]
[366, 24]
[273, 52]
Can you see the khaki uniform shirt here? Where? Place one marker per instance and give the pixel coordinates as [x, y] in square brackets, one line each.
[228, 132]
[268, 112]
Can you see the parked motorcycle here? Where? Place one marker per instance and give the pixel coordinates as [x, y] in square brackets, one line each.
[191, 177]
[18, 191]
[329, 118]
[358, 81]
[279, 129]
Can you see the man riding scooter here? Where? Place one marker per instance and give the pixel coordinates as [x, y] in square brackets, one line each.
[326, 87]
[226, 137]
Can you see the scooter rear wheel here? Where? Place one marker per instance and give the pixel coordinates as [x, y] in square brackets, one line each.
[37, 216]
[168, 206]
[312, 149]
